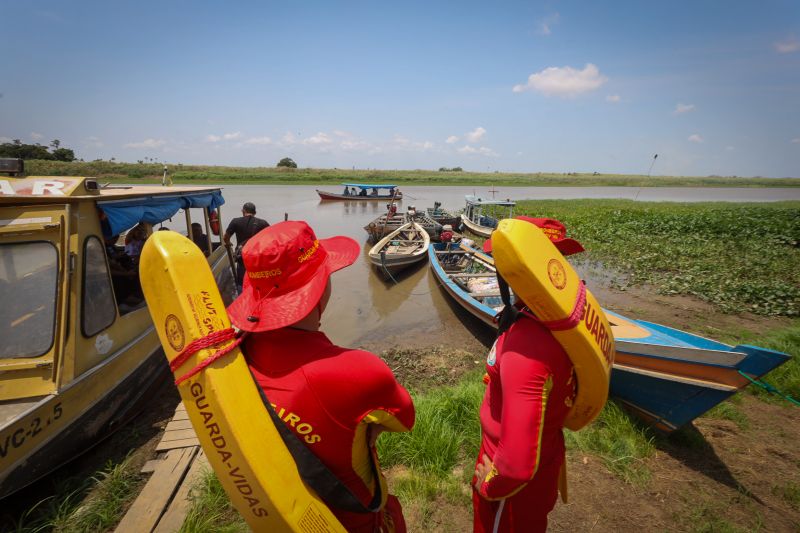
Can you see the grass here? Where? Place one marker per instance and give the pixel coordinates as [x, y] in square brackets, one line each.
[95, 505]
[211, 509]
[152, 172]
[621, 443]
[728, 411]
[790, 493]
[739, 257]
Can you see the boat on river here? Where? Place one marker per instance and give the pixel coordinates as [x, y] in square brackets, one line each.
[666, 376]
[481, 216]
[80, 353]
[405, 246]
[386, 224]
[363, 192]
[443, 216]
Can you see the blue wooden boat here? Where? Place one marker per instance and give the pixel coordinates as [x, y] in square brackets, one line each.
[665, 376]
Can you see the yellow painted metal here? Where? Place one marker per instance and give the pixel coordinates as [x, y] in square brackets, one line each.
[223, 401]
[547, 283]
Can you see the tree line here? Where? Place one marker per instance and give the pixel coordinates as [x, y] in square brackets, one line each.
[17, 148]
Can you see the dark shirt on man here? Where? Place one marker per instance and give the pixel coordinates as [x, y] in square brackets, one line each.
[245, 227]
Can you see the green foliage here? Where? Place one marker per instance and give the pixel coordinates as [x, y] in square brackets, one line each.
[728, 411]
[36, 151]
[211, 510]
[124, 172]
[445, 433]
[287, 162]
[740, 257]
[790, 492]
[109, 493]
[621, 443]
[786, 377]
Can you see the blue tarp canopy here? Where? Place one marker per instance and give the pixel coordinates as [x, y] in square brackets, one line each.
[124, 214]
[365, 186]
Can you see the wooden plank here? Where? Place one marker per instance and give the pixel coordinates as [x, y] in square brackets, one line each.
[151, 502]
[173, 444]
[175, 425]
[179, 507]
[150, 466]
[178, 435]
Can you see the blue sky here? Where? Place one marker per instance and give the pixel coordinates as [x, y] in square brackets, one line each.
[713, 87]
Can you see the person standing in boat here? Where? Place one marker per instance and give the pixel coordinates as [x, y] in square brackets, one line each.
[336, 400]
[530, 389]
[244, 227]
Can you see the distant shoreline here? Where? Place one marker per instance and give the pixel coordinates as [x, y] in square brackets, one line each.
[118, 172]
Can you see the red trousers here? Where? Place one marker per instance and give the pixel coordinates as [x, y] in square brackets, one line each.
[526, 511]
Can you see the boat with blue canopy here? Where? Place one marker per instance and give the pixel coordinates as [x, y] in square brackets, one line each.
[666, 376]
[362, 192]
[80, 354]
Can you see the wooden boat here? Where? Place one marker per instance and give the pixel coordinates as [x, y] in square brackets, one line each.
[481, 216]
[365, 193]
[384, 225]
[402, 248]
[77, 359]
[666, 376]
[443, 216]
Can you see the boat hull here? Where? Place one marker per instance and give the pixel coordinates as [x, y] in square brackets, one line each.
[64, 425]
[666, 376]
[477, 229]
[390, 263]
[356, 198]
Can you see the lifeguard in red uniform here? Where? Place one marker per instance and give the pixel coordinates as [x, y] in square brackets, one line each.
[336, 400]
[530, 389]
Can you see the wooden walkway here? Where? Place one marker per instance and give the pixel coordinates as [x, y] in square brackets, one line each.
[163, 504]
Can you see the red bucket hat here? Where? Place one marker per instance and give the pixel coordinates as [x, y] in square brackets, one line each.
[555, 230]
[287, 271]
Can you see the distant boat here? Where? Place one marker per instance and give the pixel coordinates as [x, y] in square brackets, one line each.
[666, 376]
[400, 249]
[476, 219]
[384, 225]
[363, 192]
[443, 216]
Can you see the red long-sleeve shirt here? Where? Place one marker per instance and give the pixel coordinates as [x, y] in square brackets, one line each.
[530, 391]
[328, 395]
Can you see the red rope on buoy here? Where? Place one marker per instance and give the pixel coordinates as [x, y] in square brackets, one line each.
[208, 341]
[573, 319]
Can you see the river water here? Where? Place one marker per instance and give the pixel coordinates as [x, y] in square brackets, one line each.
[365, 310]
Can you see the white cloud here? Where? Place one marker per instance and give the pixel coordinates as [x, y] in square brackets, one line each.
[545, 25]
[481, 150]
[258, 140]
[451, 140]
[788, 46]
[475, 135]
[4, 140]
[683, 108]
[613, 98]
[36, 136]
[695, 138]
[318, 139]
[796, 140]
[729, 148]
[564, 81]
[289, 138]
[224, 137]
[147, 143]
[403, 143]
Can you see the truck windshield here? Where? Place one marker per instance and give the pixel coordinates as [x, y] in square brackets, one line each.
[28, 288]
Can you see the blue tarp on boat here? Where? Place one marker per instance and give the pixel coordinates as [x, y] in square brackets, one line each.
[365, 186]
[124, 214]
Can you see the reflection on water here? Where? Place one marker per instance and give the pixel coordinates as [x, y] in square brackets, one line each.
[365, 310]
